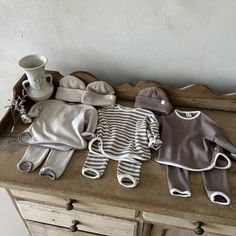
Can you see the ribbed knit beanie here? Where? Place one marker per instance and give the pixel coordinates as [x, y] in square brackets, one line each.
[70, 89]
[154, 99]
[99, 93]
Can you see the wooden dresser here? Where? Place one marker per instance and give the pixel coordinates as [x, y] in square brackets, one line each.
[75, 205]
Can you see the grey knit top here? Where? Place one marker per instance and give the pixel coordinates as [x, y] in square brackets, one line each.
[60, 125]
[193, 141]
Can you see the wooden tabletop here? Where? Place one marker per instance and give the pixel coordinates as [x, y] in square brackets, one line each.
[152, 193]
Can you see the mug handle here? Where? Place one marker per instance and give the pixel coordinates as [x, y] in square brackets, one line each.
[25, 87]
[50, 78]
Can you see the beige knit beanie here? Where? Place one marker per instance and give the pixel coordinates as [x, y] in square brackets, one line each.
[70, 89]
[99, 93]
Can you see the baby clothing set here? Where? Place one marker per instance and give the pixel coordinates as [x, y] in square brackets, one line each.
[188, 141]
[125, 135]
[192, 141]
[61, 126]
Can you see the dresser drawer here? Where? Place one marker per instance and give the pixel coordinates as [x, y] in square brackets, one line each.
[37, 229]
[77, 205]
[89, 222]
[187, 224]
[160, 230]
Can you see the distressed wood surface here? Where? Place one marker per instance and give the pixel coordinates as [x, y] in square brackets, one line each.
[88, 222]
[89, 206]
[38, 229]
[159, 230]
[187, 224]
[152, 193]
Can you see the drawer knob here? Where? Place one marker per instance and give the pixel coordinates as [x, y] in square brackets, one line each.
[73, 227]
[198, 230]
[69, 205]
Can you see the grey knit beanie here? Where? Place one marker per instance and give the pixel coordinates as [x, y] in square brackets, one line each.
[154, 99]
[70, 89]
[99, 93]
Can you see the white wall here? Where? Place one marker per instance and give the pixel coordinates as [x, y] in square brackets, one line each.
[11, 224]
[176, 42]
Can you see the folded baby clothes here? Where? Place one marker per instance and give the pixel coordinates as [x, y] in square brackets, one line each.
[125, 135]
[193, 141]
[60, 125]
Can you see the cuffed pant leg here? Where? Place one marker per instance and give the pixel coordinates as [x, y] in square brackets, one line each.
[216, 185]
[94, 166]
[33, 157]
[178, 181]
[128, 173]
[56, 163]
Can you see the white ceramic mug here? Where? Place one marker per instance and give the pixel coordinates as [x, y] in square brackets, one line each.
[38, 85]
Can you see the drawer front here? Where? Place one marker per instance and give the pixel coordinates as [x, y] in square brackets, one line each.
[160, 230]
[183, 223]
[89, 222]
[37, 229]
[78, 205]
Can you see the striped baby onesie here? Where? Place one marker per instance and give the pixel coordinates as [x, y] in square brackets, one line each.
[126, 135]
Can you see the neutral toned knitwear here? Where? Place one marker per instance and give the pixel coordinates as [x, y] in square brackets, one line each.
[128, 174]
[60, 125]
[154, 99]
[193, 141]
[126, 135]
[99, 93]
[215, 184]
[56, 163]
[32, 158]
[70, 89]
[178, 181]
[54, 166]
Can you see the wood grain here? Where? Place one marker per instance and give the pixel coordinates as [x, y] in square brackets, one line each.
[38, 229]
[187, 224]
[88, 206]
[88, 222]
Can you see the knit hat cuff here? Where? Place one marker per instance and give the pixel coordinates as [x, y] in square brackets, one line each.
[153, 104]
[69, 95]
[95, 99]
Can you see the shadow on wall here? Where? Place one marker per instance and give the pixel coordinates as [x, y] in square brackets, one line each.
[116, 70]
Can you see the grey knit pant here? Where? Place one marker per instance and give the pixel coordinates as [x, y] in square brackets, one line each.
[54, 166]
[215, 184]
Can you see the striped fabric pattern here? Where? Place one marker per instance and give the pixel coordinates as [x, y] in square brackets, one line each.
[126, 135]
